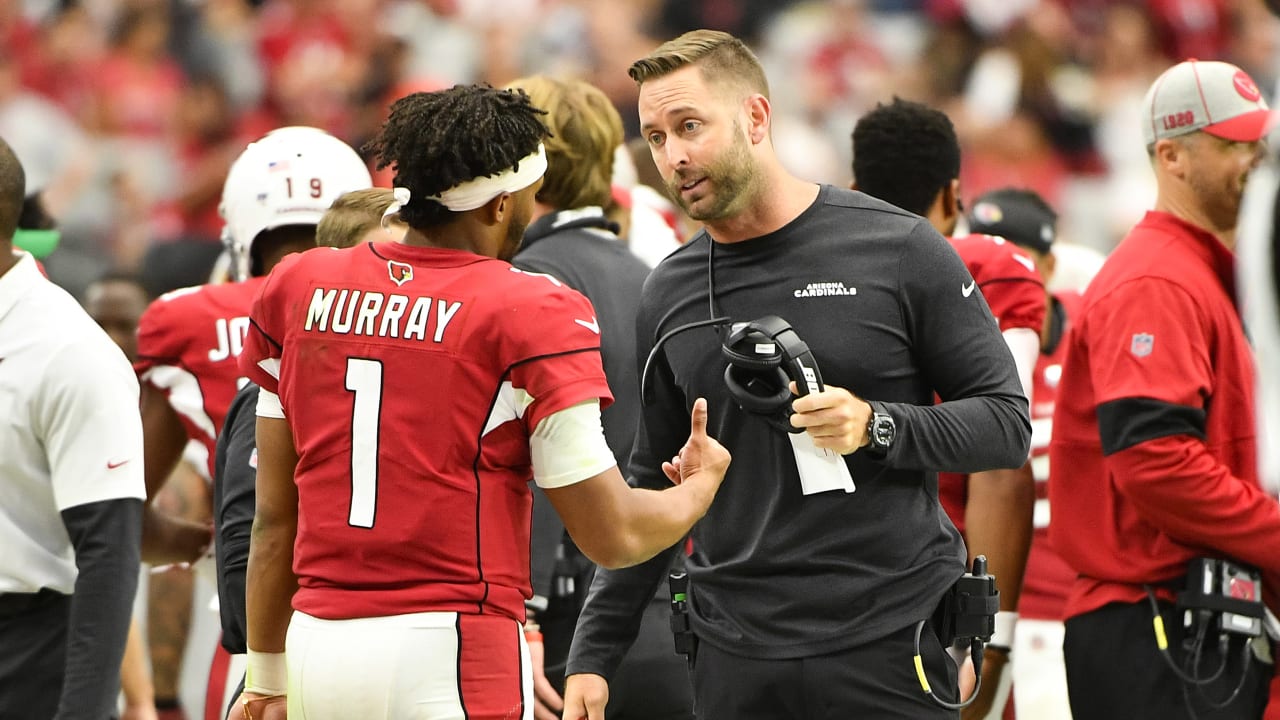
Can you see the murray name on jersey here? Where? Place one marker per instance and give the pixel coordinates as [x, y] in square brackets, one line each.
[347, 311]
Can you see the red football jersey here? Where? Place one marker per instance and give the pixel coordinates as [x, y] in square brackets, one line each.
[412, 378]
[188, 341]
[1012, 287]
[1048, 578]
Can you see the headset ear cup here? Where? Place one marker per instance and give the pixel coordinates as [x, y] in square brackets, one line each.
[758, 363]
[751, 402]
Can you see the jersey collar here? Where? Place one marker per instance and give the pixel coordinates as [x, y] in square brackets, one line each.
[1205, 245]
[17, 282]
[585, 218]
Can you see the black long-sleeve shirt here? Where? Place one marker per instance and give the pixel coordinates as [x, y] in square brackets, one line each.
[880, 299]
[234, 501]
[107, 537]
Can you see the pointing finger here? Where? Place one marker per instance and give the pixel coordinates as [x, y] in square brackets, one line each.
[698, 419]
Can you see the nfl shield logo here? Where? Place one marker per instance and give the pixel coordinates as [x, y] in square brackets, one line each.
[1142, 344]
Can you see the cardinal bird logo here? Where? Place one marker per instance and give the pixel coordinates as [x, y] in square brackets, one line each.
[400, 272]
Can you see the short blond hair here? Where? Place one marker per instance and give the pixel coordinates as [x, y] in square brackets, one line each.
[585, 130]
[351, 216]
[721, 57]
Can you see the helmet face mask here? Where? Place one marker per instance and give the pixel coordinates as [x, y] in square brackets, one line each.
[290, 176]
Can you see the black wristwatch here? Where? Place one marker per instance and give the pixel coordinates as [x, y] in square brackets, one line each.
[881, 430]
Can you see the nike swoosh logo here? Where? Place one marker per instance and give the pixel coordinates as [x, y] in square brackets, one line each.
[114, 465]
[593, 326]
[967, 290]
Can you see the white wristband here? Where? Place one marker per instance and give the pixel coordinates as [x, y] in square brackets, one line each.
[266, 674]
[1006, 620]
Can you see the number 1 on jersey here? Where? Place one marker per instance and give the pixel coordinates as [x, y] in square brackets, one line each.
[364, 381]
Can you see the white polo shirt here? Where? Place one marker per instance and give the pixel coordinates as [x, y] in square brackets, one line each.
[70, 429]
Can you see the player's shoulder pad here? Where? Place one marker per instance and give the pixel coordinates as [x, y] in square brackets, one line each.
[997, 256]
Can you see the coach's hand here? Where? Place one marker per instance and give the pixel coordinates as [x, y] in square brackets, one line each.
[585, 696]
[835, 418]
[251, 706]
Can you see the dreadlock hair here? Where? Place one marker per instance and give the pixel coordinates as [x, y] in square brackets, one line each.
[435, 141]
[905, 153]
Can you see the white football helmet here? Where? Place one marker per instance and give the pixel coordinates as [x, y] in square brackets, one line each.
[290, 176]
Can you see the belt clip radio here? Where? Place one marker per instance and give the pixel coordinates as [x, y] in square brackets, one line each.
[685, 640]
[968, 610]
[965, 617]
[1226, 594]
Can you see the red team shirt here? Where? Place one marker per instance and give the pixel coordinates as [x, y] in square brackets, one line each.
[412, 379]
[188, 341]
[1008, 280]
[1168, 332]
[1048, 578]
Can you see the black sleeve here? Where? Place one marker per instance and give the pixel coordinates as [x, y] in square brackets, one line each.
[107, 539]
[234, 498]
[545, 535]
[611, 617]
[983, 421]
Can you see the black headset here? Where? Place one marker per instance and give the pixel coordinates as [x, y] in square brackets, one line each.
[764, 356]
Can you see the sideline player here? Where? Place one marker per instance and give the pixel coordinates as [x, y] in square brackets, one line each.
[1040, 687]
[188, 339]
[355, 217]
[410, 391]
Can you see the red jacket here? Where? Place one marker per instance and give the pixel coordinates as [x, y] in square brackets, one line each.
[1154, 450]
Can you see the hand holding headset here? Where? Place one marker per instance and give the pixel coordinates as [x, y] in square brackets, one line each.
[764, 356]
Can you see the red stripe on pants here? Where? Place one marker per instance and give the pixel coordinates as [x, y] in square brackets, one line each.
[489, 679]
[217, 685]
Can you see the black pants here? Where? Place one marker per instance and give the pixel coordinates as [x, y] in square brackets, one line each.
[652, 683]
[1114, 670]
[876, 681]
[33, 657]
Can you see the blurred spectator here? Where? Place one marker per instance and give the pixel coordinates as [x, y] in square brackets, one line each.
[847, 71]
[310, 69]
[138, 85]
[64, 64]
[1044, 92]
[205, 143]
[742, 18]
[45, 138]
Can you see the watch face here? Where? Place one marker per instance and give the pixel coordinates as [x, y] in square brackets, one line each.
[882, 431]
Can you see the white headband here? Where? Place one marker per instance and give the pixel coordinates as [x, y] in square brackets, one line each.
[478, 191]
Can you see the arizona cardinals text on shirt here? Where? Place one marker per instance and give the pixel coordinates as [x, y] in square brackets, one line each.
[355, 312]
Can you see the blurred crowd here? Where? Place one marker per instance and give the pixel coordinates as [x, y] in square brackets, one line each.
[127, 113]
